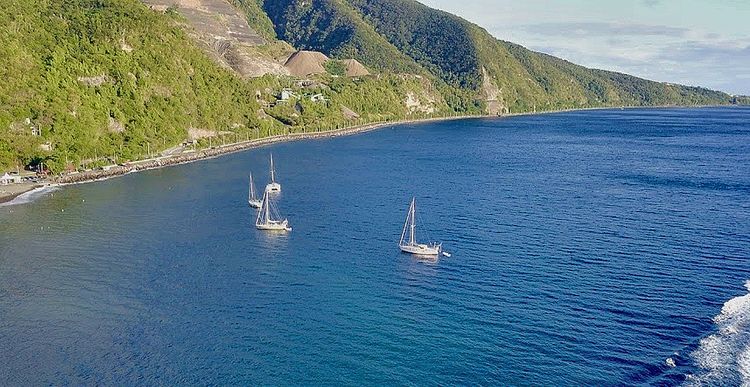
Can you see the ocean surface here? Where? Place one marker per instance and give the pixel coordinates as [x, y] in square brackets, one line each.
[588, 248]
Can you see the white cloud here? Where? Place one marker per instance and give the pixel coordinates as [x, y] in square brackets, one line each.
[593, 29]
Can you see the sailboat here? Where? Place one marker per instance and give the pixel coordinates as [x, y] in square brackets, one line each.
[411, 245]
[273, 186]
[268, 218]
[252, 198]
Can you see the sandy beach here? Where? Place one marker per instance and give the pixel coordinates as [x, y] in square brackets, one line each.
[12, 191]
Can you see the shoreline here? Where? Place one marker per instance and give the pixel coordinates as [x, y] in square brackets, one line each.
[7, 196]
[209, 153]
[17, 190]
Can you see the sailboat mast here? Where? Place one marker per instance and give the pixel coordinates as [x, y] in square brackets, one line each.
[273, 173]
[406, 223]
[252, 188]
[413, 211]
[265, 200]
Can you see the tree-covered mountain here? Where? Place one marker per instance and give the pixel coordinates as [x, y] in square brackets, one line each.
[466, 56]
[338, 30]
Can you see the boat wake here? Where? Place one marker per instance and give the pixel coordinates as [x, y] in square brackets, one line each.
[30, 196]
[724, 357]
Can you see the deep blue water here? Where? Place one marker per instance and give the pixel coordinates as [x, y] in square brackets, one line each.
[588, 248]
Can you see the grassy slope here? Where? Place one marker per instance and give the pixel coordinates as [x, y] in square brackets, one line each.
[256, 17]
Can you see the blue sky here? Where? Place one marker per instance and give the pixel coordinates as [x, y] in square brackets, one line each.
[701, 43]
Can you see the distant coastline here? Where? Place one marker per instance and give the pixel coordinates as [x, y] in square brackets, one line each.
[9, 194]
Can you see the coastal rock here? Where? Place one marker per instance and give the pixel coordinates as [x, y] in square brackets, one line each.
[492, 95]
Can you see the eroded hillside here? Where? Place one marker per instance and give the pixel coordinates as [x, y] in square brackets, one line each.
[223, 31]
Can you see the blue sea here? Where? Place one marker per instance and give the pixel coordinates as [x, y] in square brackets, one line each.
[605, 247]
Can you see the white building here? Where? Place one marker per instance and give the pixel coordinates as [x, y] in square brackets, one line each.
[287, 94]
[9, 179]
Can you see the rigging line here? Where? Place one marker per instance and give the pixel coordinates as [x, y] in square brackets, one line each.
[425, 230]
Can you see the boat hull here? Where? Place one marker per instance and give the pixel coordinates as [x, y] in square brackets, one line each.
[274, 226]
[255, 203]
[421, 250]
[273, 187]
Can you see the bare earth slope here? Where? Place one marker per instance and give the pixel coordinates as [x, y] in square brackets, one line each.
[304, 63]
[225, 34]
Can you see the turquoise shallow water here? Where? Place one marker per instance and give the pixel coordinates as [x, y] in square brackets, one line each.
[588, 248]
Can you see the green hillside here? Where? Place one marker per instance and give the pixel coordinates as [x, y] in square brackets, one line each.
[336, 29]
[105, 77]
[461, 53]
[91, 82]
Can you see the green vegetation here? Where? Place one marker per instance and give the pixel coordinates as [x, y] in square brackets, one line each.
[460, 53]
[338, 30]
[111, 80]
[256, 18]
[320, 106]
[91, 82]
[435, 39]
[103, 78]
[335, 67]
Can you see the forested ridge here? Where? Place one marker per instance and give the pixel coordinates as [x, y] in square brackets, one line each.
[459, 53]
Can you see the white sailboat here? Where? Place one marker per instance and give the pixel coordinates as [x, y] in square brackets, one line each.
[273, 186]
[268, 217]
[252, 198]
[411, 245]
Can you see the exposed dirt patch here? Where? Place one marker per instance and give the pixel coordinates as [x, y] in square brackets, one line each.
[97, 80]
[349, 114]
[304, 63]
[224, 33]
[115, 126]
[197, 133]
[492, 95]
[354, 68]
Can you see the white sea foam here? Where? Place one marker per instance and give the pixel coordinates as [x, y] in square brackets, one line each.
[30, 196]
[724, 357]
